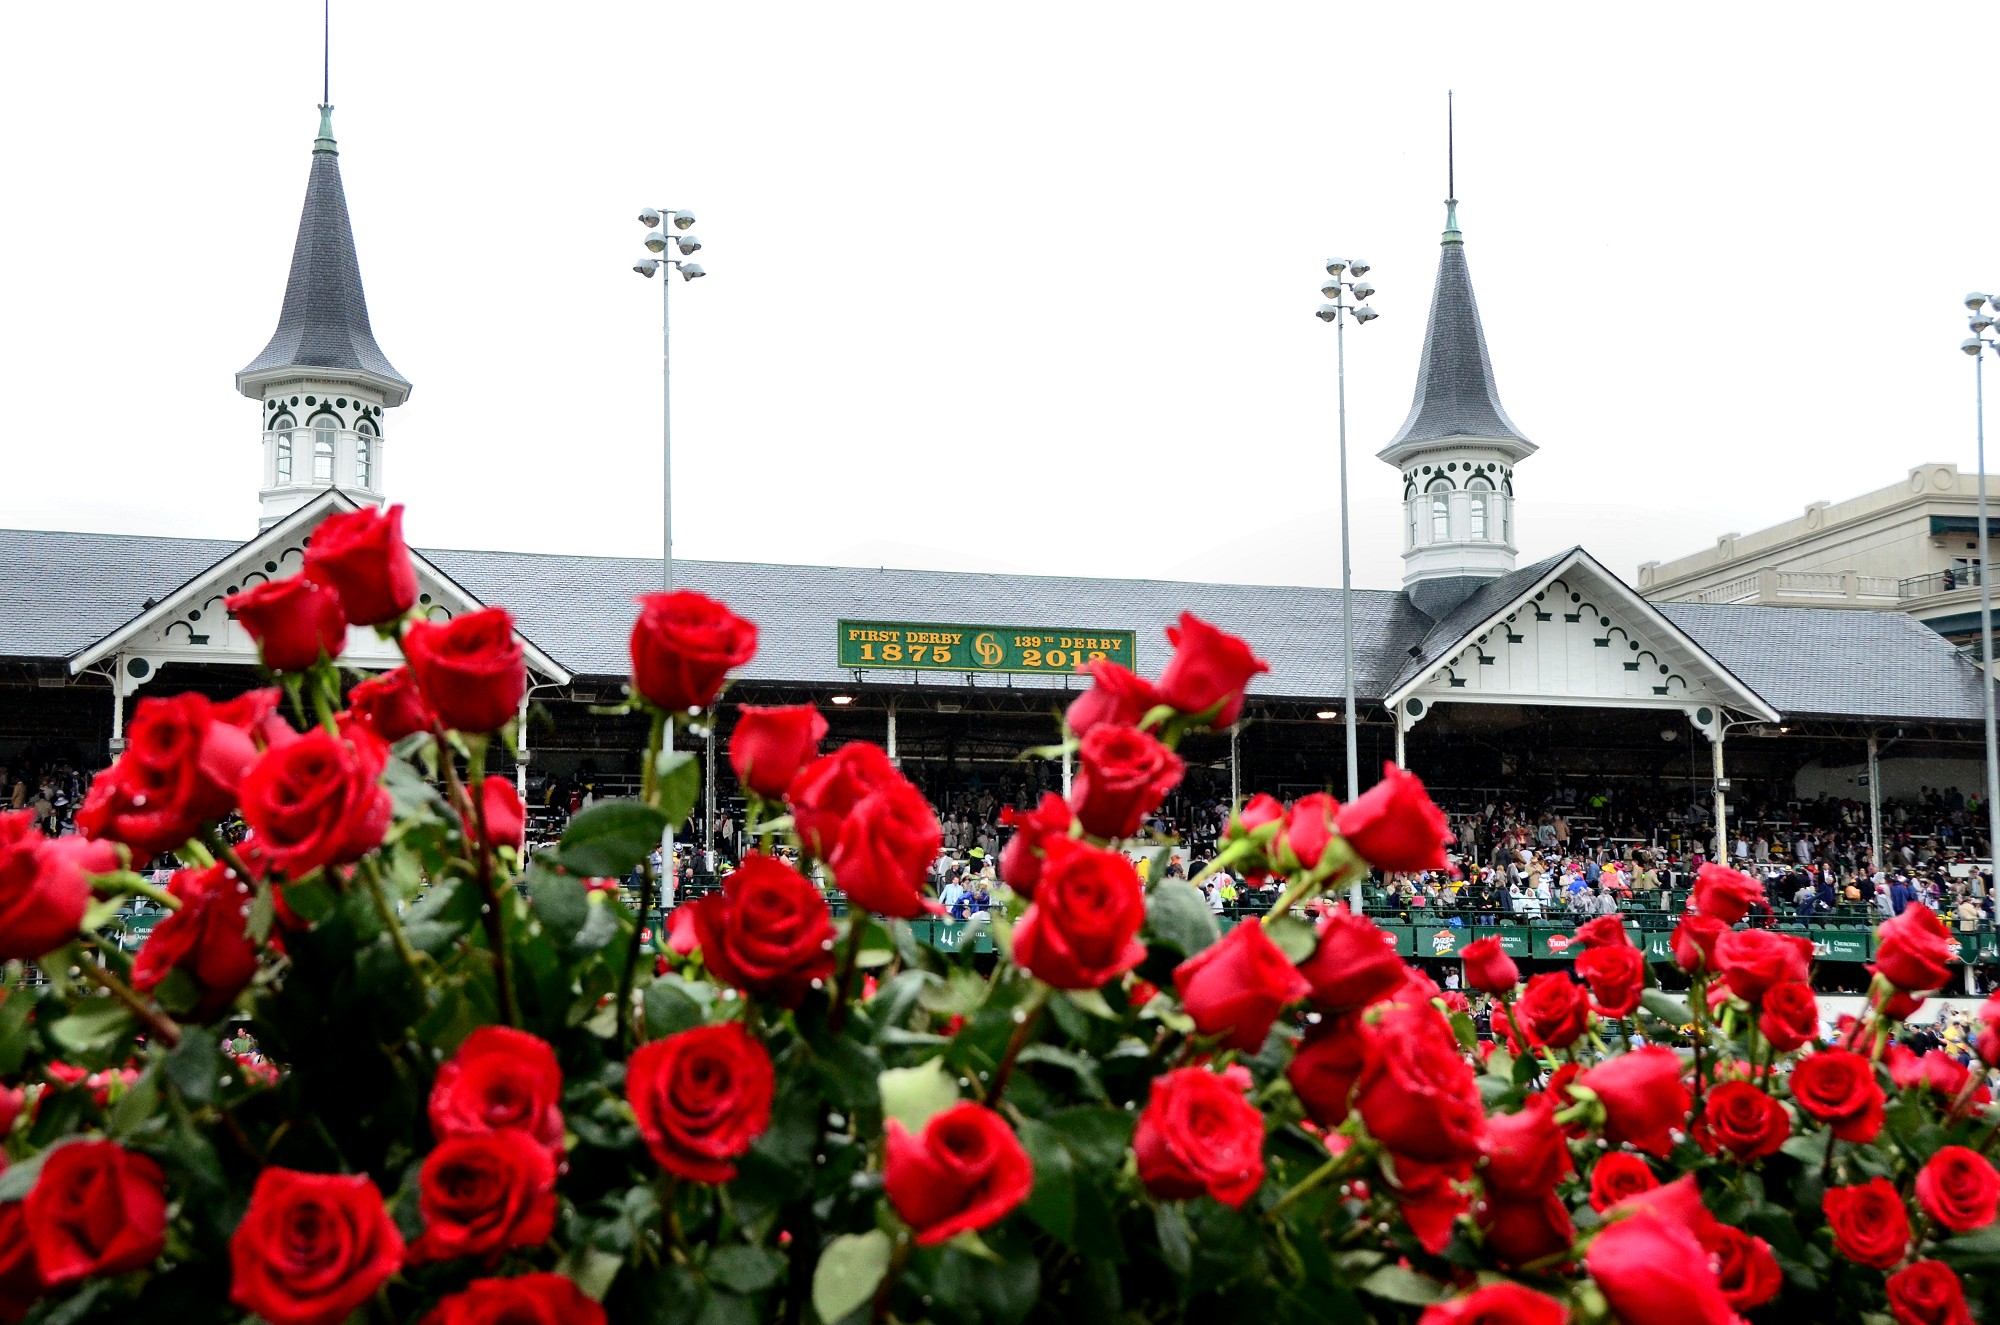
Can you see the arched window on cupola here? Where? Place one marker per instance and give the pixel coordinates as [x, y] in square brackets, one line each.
[364, 454]
[1440, 491]
[282, 450]
[325, 427]
[1480, 508]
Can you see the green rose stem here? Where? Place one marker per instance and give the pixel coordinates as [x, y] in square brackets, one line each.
[898, 1258]
[472, 814]
[649, 792]
[1025, 1020]
[155, 1021]
[378, 890]
[836, 1015]
[118, 885]
[1826, 1162]
[1334, 1167]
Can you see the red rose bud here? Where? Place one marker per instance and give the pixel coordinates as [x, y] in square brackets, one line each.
[828, 789]
[96, 1209]
[44, 886]
[1604, 932]
[1209, 668]
[182, 764]
[683, 646]
[1497, 1304]
[768, 932]
[1724, 894]
[1838, 1087]
[1553, 1010]
[1655, 1272]
[770, 745]
[1082, 928]
[484, 1195]
[362, 556]
[1526, 1155]
[1034, 831]
[964, 1172]
[1643, 1098]
[1913, 952]
[500, 808]
[525, 1299]
[1237, 987]
[318, 800]
[204, 939]
[1746, 1271]
[1958, 1189]
[1522, 1230]
[296, 622]
[390, 705]
[1616, 976]
[1928, 1293]
[1430, 1197]
[1488, 968]
[702, 1098]
[1694, 942]
[1353, 964]
[1198, 1136]
[887, 845]
[1302, 841]
[1122, 776]
[1870, 1226]
[1325, 1068]
[1255, 813]
[1117, 698]
[1789, 1016]
[1901, 1006]
[469, 669]
[1618, 1175]
[1743, 1121]
[1394, 826]
[1753, 960]
[500, 1078]
[1989, 1035]
[1417, 1094]
[312, 1247]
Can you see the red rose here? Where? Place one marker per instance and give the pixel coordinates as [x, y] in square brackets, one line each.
[295, 622]
[528, 1299]
[1914, 951]
[362, 556]
[482, 1195]
[1928, 1293]
[702, 1097]
[965, 1171]
[1870, 1226]
[873, 829]
[1901, 1006]
[1753, 960]
[1678, 1202]
[1353, 964]
[1198, 1134]
[1082, 928]
[1938, 1071]
[1302, 839]
[13, 1099]
[1416, 1093]
[500, 808]
[44, 886]
[1616, 976]
[1745, 1268]
[1237, 987]
[1989, 1035]
[1209, 668]
[95, 1208]
[1497, 1304]
[1838, 1087]
[500, 1078]
[1526, 1155]
[205, 939]
[1521, 1230]
[1643, 1098]
[1655, 1272]
[318, 800]
[1743, 1120]
[770, 745]
[183, 760]
[1122, 775]
[312, 1247]
[1034, 830]
[1117, 698]
[1618, 1175]
[683, 646]
[1553, 1010]
[1430, 1197]
[1261, 809]
[1394, 826]
[1789, 1016]
[469, 669]
[20, 1282]
[390, 705]
[826, 791]
[1694, 942]
[1724, 894]
[1959, 1189]
[1488, 968]
[768, 932]
[1325, 1068]
[1604, 932]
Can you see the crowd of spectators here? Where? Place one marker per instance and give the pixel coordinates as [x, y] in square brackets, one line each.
[47, 783]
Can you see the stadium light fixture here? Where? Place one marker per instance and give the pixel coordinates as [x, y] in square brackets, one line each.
[1327, 715]
[841, 699]
[1976, 345]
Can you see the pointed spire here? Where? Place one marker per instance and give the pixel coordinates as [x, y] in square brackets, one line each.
[323, 325]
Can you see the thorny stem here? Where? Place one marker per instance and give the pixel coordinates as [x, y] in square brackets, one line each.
[626, 1019]
[836, 1016]
[108, 886]
[156, 1022]
[1024, 1027]
[387, 911]
[897, 1260]
[473, 815]
[1319, 1177]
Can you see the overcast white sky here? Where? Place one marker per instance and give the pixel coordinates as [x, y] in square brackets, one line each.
[1023, 286]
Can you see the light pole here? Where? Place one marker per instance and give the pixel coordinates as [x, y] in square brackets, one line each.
[1976, 346]
[656, 220]
[1338, 312]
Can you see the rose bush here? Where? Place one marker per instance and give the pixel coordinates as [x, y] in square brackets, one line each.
[489, 1089]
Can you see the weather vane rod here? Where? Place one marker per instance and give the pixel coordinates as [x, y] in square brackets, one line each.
[1450, 164]
[326, 51]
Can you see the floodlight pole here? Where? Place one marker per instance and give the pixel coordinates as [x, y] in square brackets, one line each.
[1986, 626]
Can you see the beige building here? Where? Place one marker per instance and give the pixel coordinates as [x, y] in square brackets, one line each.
[1911, 547]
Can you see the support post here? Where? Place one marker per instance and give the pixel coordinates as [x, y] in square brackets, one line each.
[1721, 807]
[1066, 766]
[708, 797]
[891, 744]
[521, 750]
[118, 706]
[1400, 761]
[1874, 804]
[1235, 774]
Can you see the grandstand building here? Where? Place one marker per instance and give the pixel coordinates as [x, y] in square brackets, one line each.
[1481, 674]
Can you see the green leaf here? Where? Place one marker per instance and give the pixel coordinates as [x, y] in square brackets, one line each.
[311, 900]
[1176, 1243]
[915, 1095]
[591, 1269]
[1050, 1202]
[101, 913]
[1396, 1284]
[1468, 1034]
[14, 1013]
[600, 926]
[1293, 937]
[263, 915]
[610, 838]
[1091, 1001]
[411, 796]
[1671, 1010]
[94, 1028]
[849, 1272]
[1982, 1244]
[136, 1104]
[1809, 1149]
[194, 1066]
[670, 1008]
[18, 1181]
[1178, 916]
[745, 1269]
[560, 900]
[680, 785]
[988, 1287]
[1097, 1136]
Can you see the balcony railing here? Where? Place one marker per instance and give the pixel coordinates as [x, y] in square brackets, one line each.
[1944, 581]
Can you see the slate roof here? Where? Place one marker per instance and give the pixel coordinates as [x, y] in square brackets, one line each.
[1456, 396]
[62, 592]
[324, 320]
[1447, 636]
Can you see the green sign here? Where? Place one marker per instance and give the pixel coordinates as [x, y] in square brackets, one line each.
[931, 647]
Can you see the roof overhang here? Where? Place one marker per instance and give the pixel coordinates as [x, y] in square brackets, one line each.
[1403, 450]
[252, 381]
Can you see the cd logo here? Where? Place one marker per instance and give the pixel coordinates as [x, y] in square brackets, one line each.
[989, 650]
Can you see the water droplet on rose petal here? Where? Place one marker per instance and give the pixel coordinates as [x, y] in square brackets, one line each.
[826, 945]
[1020, 1016]
[836, 1120]
[1312, 1018]
[484, 909]
[139, 801]
[224, 1080]
[819, 984]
